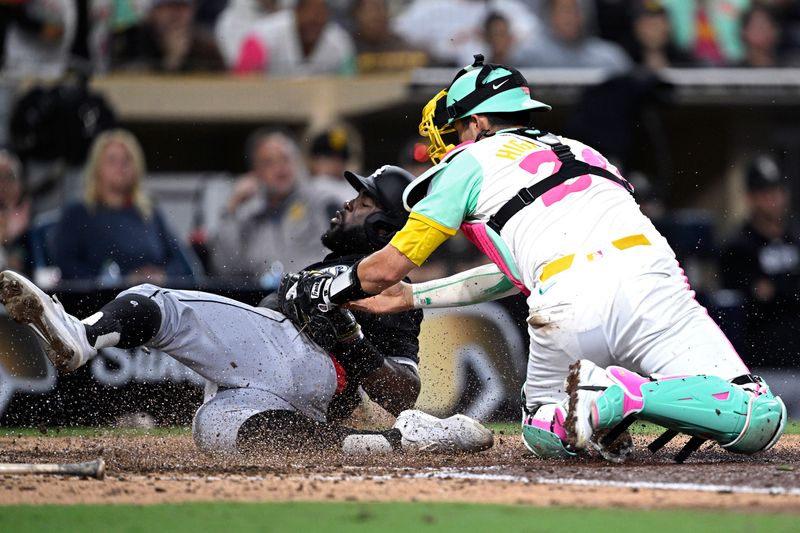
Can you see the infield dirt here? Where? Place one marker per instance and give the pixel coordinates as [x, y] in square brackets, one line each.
[148, 469]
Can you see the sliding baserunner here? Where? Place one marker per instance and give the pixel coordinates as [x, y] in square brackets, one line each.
[271, 384]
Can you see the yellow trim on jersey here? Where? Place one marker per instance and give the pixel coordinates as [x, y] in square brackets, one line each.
[432, 223]
[631, 241]
[564, 263]
[418, 239]
[554, 267]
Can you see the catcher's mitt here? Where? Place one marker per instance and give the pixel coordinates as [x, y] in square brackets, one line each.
[326, 328]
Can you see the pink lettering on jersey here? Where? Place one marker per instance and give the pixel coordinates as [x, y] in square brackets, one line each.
[558, 192]
[594, 158]
[535, 160]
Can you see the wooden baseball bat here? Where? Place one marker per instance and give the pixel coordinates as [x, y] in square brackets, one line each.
[95, 469]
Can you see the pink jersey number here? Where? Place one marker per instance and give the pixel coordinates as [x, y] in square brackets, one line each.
[535, 160]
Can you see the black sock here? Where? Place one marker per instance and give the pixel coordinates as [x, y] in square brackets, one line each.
[129, 321]
[289, 430]
[394, 437]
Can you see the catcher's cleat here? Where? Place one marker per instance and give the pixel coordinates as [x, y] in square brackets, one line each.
[64, 335]
[616, 451]
[426, 433]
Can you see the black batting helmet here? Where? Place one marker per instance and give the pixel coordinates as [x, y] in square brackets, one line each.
[386, 185]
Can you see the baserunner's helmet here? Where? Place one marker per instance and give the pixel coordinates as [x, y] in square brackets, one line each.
[477, 88]
[386, 185]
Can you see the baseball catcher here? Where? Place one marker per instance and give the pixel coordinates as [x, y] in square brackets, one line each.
[615, 332]
[280, 374]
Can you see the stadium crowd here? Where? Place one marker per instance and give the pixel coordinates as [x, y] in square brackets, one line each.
[46, 38]
[268, 221]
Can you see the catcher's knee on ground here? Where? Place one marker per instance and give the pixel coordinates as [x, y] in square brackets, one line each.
[741, 418]
[543, 431]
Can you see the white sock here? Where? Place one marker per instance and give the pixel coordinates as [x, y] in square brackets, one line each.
[366, 444]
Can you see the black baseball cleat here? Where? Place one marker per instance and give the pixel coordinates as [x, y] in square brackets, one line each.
[64, 336]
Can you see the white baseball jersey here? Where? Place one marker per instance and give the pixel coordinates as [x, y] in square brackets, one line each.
[602, 283]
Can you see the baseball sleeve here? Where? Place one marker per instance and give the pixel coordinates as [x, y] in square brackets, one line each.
[452, 197]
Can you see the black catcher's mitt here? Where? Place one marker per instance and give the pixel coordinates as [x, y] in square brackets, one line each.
[326, 328]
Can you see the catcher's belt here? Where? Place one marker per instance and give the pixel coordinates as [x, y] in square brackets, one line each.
[566, 262]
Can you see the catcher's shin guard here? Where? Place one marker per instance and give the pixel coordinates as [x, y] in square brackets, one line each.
[543, 431]
[741, 419]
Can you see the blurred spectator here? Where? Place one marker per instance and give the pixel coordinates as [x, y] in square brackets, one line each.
[787, 14]
[236, 22]
[566, 42]
[708, 30]
[37, 36]
[166, 41]
[614, 19]
[499, 39]
[450, 30]
[761, 36]
[762, 259]
[378, 48]
[116, 234]
[273, 220]
[621, 117]
[15, 215]
[328, 157]
[208, 11]
[298, 42]
[647, 196]
[413, 156]
[652, 36]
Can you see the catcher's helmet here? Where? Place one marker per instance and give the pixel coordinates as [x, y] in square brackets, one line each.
[386, 185]
[477, 88]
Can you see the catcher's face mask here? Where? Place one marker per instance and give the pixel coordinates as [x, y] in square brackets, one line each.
[477, 88]
[428, 127]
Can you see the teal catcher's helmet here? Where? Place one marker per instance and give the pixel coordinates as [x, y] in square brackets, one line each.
[477, 88]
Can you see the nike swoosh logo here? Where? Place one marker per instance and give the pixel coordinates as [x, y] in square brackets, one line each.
[546, 287]
[495, 87]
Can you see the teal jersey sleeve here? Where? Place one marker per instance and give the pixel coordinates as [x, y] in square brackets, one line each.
[453, 192]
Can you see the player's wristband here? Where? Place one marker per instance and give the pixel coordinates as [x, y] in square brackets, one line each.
[350, 336]
[346, 287]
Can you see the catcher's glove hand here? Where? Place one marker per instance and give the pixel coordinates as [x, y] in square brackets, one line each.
[327, 327]
[314, 288]
[288, 303]
[333, 329]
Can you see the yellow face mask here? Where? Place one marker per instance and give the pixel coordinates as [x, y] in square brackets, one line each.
[428, 128]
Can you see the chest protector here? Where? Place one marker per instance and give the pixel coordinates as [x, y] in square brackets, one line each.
[570, 168]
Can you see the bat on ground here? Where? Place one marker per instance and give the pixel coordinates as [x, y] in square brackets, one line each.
[95, 469]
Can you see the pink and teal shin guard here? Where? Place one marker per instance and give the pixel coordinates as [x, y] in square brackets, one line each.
[707, 407]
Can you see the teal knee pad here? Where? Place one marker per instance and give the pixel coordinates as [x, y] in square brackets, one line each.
[766, 422]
